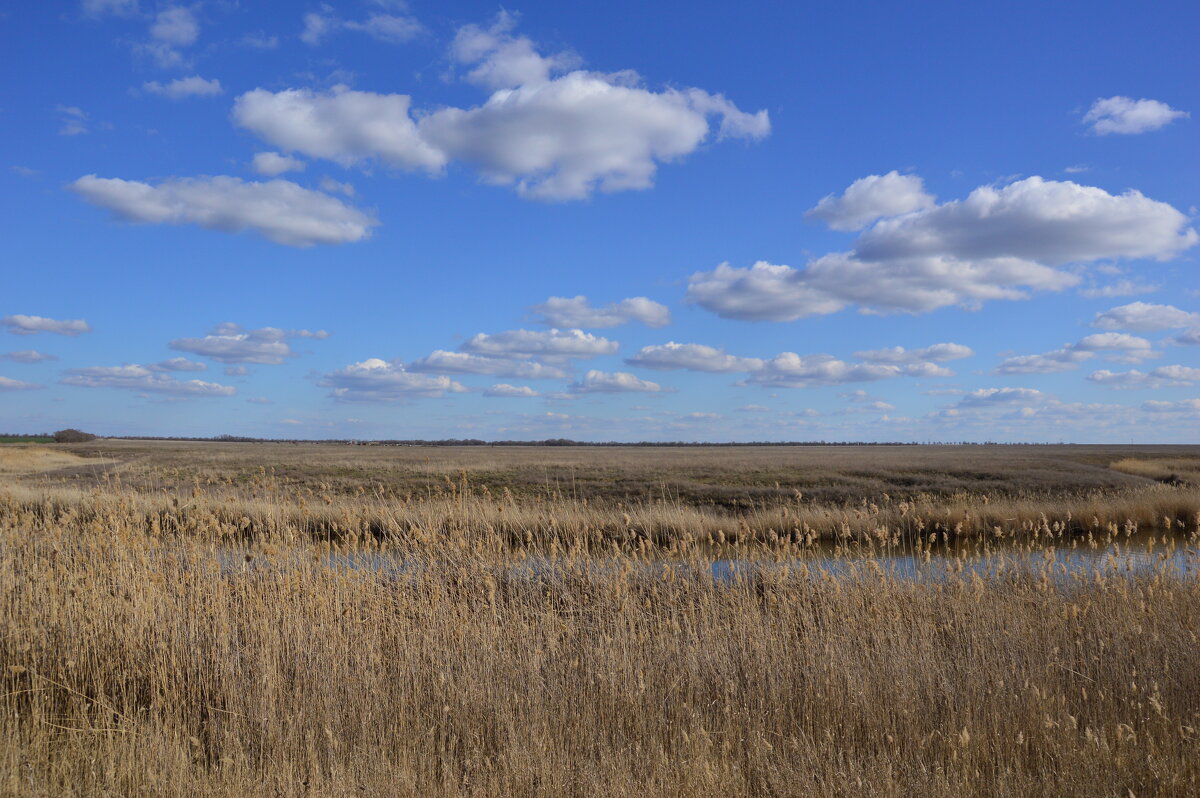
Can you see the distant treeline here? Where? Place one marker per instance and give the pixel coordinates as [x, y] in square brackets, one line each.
[26, 437]
[546, 442]
[61, 436]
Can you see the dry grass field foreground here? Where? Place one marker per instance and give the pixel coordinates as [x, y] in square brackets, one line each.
[158, 641]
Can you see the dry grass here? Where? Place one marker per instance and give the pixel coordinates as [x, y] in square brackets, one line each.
[36, 459]
[597, 496]
[728, 478]
[161, 641]
[1172, 470]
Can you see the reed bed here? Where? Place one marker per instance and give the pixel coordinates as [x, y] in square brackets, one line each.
[271, 509]
[170, 663]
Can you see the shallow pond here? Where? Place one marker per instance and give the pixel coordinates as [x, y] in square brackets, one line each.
[1059, 558]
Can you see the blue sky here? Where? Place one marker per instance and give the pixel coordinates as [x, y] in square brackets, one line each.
[617, 221]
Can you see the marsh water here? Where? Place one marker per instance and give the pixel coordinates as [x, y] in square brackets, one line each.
[1054, 557]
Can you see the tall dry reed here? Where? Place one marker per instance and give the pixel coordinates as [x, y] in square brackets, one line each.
[149, 648]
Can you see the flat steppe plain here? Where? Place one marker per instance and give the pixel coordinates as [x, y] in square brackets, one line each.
[235, 619]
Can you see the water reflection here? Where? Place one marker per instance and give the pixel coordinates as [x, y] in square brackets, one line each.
[1123, 557]
[1056, 558]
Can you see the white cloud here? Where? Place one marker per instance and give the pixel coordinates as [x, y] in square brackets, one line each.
[986, 397]
[553, 138]
[317, 27]
[559, 138]
[1053, 362]
[613, 382]
[375, 380]
[873, 406]
[176, 25]
[194, 86]
[1184, 406]
[1119, 288]
[1187, 338]
[1127, 348]
[318, 335]
[173, 28]
[272, 164]
[504, 61]
[235, 371]
[143, 379]
[177, 364]
[229, 343]
[391, 28]
[332, 186]
[860, 401]
[260, 41]
[1042, 221]
[28, 356]
[340, 125]
[763, 292]
[1176, 373]
[693, 357]
[19, 324]
[506, 390]
[1126, 116]
[938, 353]
[1163, 376]
[74, 120]
[278, 210]
[1145, 317]
[546, 344]
[858, 395]
[927, 370]
[559, 311]
[768, 292]
[870, 198]
[790, 370]
[442, 362]
[97, 8]
[9, 384]
[565, 138]
[1024, 413]
[1119, 346]
[998, 243]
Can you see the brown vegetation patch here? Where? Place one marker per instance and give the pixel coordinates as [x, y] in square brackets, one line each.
[36, 459]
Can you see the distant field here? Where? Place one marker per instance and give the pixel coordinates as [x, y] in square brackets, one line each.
[235, 620]
[661, 493]
[25, 439]
[720, 476]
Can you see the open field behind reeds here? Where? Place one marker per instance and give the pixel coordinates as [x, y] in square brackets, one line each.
[259, 620]
[699, 475]
[608, 494]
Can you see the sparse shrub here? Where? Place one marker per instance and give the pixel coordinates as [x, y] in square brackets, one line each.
[73, 436]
